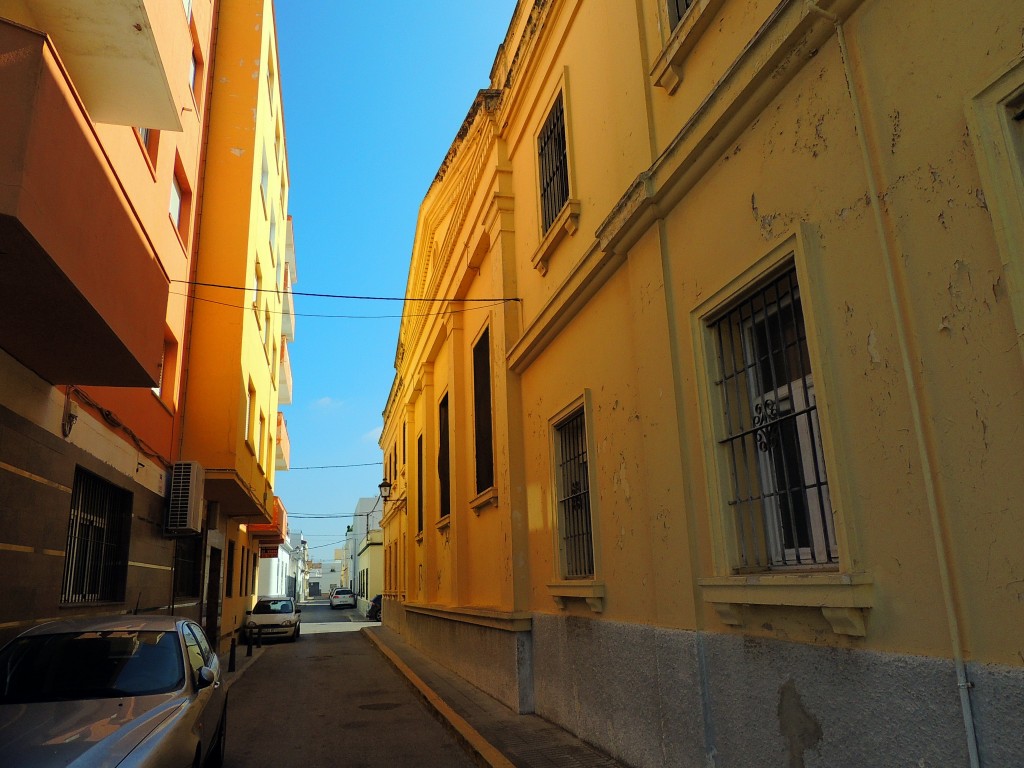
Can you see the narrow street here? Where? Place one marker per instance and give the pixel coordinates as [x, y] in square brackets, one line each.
[332, 699]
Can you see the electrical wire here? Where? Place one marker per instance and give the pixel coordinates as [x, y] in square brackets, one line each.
[196, 283]
[339, 466]
[343, 317]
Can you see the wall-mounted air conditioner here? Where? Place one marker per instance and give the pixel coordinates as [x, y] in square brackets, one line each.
[185, 500]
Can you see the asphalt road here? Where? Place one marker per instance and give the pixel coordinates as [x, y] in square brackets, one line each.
[331, 699]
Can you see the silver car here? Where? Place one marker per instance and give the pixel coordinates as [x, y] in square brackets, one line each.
[124, 691]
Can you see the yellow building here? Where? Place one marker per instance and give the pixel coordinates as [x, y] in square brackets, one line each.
[709, 452]
[238, 372]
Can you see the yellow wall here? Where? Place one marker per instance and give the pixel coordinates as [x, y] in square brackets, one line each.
[687, 199]
[233, 348]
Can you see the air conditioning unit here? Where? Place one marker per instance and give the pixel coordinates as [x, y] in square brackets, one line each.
[185, 500]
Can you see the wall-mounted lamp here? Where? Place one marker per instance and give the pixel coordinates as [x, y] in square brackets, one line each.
[385, 489]
[70, 415]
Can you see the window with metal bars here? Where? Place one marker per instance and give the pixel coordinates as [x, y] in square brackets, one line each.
[779, 502]
[483, 433]
[443, 460]
[96, 557]
[573, 489]
[419, 484]
[553, 164]
[187, 561]
[677, 9]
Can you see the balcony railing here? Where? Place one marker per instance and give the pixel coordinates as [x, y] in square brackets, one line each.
[283, 454]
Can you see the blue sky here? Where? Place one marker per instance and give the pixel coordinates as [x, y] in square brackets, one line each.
[374, 94]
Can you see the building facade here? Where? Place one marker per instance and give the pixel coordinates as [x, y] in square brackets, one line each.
[238, 363]
[710, 450]
[105, 111]
[116, 496]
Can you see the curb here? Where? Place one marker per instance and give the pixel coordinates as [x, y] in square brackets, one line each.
[483, 749]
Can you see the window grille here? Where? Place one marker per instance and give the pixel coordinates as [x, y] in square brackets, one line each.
[419, 484]
[187, 561]
[229, 589]
[443, 459]
[780, 506]
[677, 9]
[554, 165]
[574, 497]
[96, 559]
[482, 413]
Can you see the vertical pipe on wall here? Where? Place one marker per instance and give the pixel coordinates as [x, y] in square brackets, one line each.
[924, 443]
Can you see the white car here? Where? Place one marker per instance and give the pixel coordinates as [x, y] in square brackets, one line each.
[343, 598]
[273, 616]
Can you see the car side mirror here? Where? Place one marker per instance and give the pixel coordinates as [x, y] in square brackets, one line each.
[248, 613]
[206, 678]
[298, 610]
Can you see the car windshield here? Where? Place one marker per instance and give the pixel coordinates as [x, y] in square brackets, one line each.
[90, 665]
[273, 606]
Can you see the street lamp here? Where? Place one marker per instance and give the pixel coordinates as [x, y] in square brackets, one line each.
[385, 489]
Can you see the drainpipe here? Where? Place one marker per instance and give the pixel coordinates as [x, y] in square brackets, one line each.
[924, 444]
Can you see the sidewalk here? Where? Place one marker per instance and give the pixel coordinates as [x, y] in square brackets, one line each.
[496, 735]
[242, 663]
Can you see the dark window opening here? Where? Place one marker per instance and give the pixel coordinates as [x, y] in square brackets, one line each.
[482, 416]
[443, 459]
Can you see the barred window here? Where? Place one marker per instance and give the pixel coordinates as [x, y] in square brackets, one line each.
[573, 489]
[443, 459]
[96, 557]
[677, 9]
[483, 433]
[554, 165]
[187, 561]
[780, 506]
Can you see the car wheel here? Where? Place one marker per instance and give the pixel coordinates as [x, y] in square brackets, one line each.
[220, 745]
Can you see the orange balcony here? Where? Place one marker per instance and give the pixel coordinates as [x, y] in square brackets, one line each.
[283, 454]
[273, 533]
[112, 53]
[83, 297]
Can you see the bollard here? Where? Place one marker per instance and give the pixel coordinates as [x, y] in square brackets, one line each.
[231, 657]
[248, 643]
[259, 637]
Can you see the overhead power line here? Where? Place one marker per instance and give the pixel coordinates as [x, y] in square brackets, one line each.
[342, 317]
[340, 466]
[338, 295]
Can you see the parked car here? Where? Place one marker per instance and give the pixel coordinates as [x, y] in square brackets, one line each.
[373, 609]
[273, 616]
[125, 690]
[343, 598]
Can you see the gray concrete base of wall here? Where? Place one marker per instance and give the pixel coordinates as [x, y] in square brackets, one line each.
[497, 661]
[658, 697]
[654, 697]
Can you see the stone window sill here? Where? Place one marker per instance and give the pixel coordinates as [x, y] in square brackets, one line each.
[842, 597]
[667, 72]
[488, 498]
[591, 591]
[564, 225]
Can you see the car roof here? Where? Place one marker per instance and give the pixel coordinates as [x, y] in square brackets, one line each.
[129, 622]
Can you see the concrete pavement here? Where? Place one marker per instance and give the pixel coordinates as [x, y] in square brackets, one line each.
[493, 734]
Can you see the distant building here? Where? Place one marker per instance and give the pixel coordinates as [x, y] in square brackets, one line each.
[705, 439]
